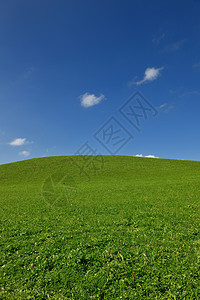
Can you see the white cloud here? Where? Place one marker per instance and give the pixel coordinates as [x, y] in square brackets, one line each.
[24, 153]
[149, 156]
[18, 142]
[88, 100]
[150, 74]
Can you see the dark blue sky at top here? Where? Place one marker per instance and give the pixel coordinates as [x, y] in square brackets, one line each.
[53, 52]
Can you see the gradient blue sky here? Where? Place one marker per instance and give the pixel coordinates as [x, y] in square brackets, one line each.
[54, 52]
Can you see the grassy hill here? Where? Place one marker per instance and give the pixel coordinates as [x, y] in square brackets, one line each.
[120, 228]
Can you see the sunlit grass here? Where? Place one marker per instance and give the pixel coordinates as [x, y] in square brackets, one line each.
[129, 231]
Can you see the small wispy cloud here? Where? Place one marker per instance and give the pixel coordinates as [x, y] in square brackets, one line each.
[157, 40]
[166, 107]
[150, 74]
[175, 46]
[197, 66]
[24, 153]
[175, 91]
[190, 93]
[88, 100]
[29, 72]
[162, 106]
[148, 156]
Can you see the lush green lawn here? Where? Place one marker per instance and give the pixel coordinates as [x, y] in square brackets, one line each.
[128, 231]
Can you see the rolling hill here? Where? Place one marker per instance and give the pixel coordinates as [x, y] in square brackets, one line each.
[101, 227]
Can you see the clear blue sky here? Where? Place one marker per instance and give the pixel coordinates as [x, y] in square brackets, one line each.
[67, 67]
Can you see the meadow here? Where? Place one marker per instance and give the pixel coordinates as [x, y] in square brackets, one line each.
[126, 229]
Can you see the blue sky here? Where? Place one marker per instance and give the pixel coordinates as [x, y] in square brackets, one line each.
[67, 67]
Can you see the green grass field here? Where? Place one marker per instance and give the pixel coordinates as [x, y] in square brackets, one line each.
[128, 231]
